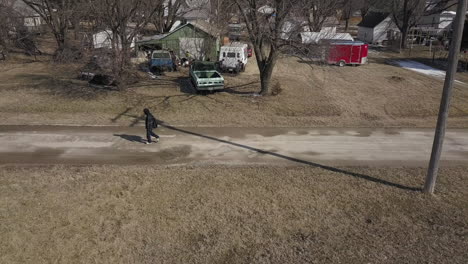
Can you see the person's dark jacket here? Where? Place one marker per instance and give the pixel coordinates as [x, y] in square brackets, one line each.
[150, 121]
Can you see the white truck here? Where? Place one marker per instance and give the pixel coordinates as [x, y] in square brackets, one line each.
[233, 57]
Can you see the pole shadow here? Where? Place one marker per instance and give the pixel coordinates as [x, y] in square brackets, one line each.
[308, 163]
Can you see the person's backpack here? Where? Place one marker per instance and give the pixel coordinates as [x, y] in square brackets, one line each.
[155, 123]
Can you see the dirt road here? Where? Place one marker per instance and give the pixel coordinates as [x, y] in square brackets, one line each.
[236, 146]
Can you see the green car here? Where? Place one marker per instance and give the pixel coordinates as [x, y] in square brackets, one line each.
[205, 77]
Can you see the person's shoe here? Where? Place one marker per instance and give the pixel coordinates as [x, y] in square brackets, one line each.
[157, 140]
[147, 143]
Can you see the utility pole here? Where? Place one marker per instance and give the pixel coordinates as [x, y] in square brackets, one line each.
[446, 96]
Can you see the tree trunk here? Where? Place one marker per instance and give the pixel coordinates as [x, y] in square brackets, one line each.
[60, 39]
[122, 58]
[265, 75]
[404, 36]
[346, 24]
[123, 54]
[115, 49]
[264, 83]
[405, 27]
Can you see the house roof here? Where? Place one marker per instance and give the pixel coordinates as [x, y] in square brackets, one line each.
[154, 37]
[315, 37]
[201, 25]
[23, 9]
[197, 14]
[208, 28]
[372, 19]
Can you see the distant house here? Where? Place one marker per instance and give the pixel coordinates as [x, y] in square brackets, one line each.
[437, 24]
[33, 23]
[376, 28]
[441, 20]
[199, 40]
[293, 26]
[31, 19]
[103, 39]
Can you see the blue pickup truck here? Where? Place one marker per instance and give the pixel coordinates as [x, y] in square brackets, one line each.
[161, 60]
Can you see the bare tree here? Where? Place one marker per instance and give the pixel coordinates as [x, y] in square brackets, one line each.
[348, 8]
[407, 13]
[57, 14]
[365, 7]
[13, 32]
[9, 21]
[167, 13]
[264, 22]
[124, 19]
[222, 12]
[318, 11]
[351, 6]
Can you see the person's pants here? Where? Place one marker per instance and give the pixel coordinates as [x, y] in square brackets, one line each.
[149, 133]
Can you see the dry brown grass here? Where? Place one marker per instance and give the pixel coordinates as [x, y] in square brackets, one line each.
[63, 214]
[311, 96]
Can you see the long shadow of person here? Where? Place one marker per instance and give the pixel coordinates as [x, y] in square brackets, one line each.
[131, 138]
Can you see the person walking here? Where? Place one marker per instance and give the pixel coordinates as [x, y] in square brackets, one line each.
[150, 124]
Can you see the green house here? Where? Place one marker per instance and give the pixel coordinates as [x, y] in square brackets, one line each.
[196, 40]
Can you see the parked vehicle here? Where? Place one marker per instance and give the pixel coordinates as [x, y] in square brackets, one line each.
[249, 51]
[205, 77]
[161, 60]
[235, 31]
[233, 57]
[345, 52]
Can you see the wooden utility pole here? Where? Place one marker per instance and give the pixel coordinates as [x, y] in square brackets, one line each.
[446, 96]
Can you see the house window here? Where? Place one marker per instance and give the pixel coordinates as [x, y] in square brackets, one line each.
[238, 55]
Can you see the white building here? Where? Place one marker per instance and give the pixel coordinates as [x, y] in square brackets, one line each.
[103, 39]
[376, 28]
[437, 23]
[32, 20]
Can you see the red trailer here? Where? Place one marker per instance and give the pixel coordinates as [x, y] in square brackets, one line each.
[346, 52]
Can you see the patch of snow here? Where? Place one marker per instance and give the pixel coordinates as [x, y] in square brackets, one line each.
[449, 13]
[421, 68]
